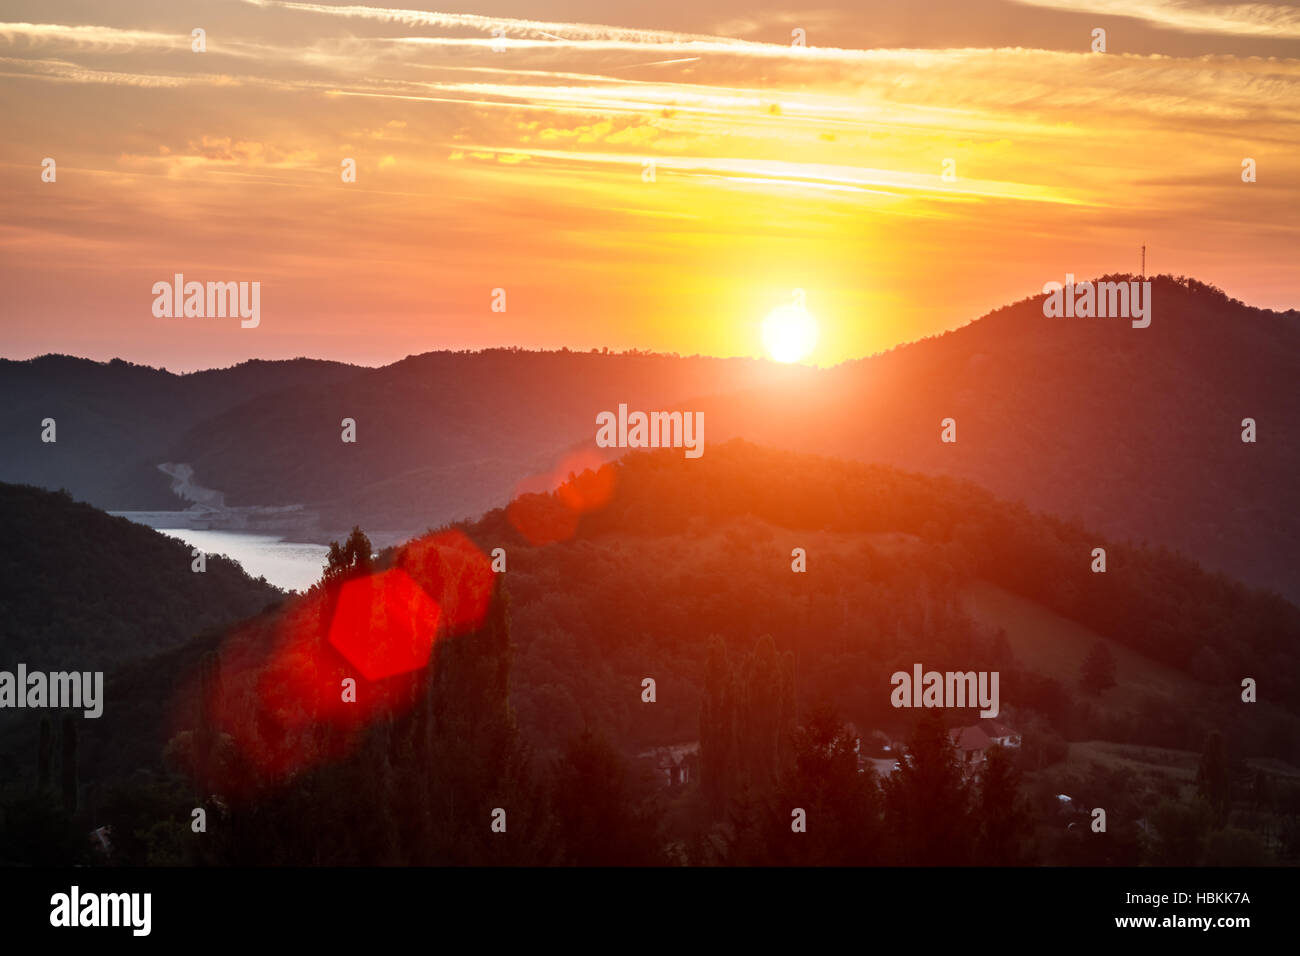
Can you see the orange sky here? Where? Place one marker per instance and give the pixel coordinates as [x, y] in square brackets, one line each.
[522, 168]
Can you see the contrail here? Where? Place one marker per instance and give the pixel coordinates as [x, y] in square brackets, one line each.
[684, 59]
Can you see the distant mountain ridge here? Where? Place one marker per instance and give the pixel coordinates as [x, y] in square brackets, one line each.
[443, 435]
[1136, 432]
[440, 436]
[115, 421]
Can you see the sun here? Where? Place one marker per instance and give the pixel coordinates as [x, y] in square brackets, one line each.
[789, 333]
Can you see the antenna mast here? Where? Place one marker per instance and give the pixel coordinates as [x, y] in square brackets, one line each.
[1144, 261]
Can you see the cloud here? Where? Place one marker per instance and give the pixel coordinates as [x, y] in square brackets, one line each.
[105, 39]
[1188, 16]
[96, 38]
[63, 70]
[537, 29]
[812, 175]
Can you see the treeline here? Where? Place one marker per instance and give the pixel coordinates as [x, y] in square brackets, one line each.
[516, 744]
[81, 589]
[437, 774]
[684, 549]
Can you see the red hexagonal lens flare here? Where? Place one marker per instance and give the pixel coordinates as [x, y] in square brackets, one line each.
[451, 567]
[547, 507]
[384, 624]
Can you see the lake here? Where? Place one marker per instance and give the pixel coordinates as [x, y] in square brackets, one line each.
[292, 565]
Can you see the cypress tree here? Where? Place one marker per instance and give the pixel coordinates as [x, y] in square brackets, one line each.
[1212, 779]
[69, 765]
[44, 755]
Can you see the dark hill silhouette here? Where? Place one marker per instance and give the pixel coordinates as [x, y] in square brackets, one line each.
[1136, 432]
[116, 420]
[440, 436]
[84, 590]
[688, 548]
[679, 552]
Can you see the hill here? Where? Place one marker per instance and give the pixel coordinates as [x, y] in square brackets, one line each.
[1134, 432]
[901, 568]
[681, 571]
[441, 436]
[84, 590]
[115, 421]
[1137, 433]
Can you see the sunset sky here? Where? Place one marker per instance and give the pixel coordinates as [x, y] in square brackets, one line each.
[776, 167]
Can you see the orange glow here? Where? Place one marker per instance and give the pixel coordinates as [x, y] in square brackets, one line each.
[583, 482]
[280, 694]
[913, 186]
[450, 566]
[280, 697]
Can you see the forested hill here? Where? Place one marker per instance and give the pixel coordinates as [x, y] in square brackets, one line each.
[440, 436]
[682, 571]
[115, 421]
[81, 589]
[628, 572]
[1137, 432]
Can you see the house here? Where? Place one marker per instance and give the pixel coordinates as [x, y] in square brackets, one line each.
[999, 732]
[971, 744]
[674, 766]
[677, 767]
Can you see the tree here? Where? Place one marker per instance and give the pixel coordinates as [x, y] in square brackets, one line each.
[601, 820]
[764, 719]
[1233, 847]
[717, 729]
[68, 766]
[44, 754]
[1207, 665]
[1098, 669]
[841, 805]
[927, 800]
[746, 721]
[999, 812]
[349, 561]
[1179, 830]
[1212, 778]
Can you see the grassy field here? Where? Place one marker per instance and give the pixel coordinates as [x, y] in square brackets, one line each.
[1057, 646]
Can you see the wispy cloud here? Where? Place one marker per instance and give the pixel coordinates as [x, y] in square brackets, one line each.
[776, 166]
[784, 173]
[1191, 16]
[538, 29]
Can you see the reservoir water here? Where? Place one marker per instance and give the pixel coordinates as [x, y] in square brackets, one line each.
[292, 565]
